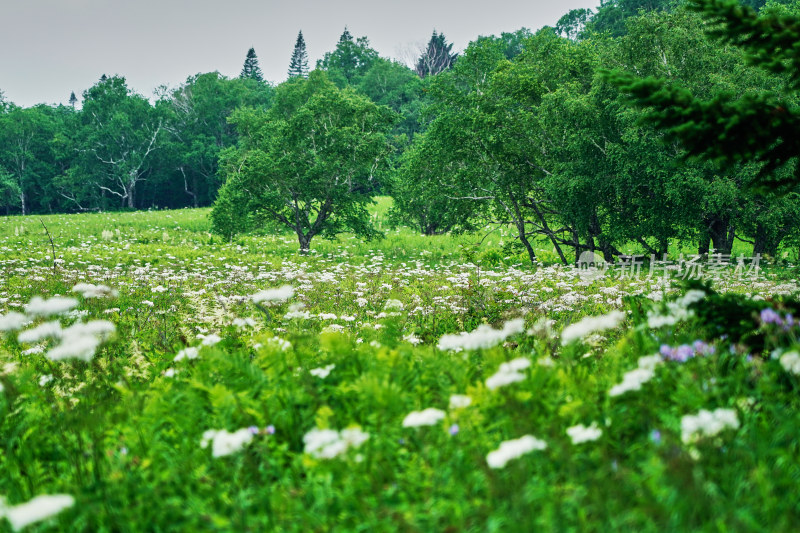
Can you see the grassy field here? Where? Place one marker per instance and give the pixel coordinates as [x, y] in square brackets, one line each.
[249, 388]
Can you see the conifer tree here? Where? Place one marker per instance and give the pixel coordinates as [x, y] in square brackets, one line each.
[73, 99]
[299, 63]
[437, 56]
[251, 70]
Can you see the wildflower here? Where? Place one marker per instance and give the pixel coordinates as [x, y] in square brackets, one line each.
[393, 305]
[12, 321]
[41, 332]
[511, 449]
[148, 303]
[322, 372]
[655, 436]
[769, 316]
[190, 352]
[634, 379]
[329, 443]
[80, 341]
[581, 433]
[508, 373]
[280, 294]
[453, 429]
[790, 361]
[428, 417]
[296, 310]
[327, 316]
[412, 339]
[158, 289]
[590, 325]
[459, 401]
[53, 306]
[481, 338]
[270, 429]
[45, 379]
[88, 290]
[707, 424]
[35, 510]
[211, 339]
[224, 443]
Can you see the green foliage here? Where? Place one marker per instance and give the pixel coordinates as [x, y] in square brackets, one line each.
[759, 126]
[308, 162]
[250, 69]
[298, 66]
[437, 56]
[349, 61]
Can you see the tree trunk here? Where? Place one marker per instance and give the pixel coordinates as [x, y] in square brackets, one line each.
[524, 240]
[719, 231]
[305, 242]
[22, 202]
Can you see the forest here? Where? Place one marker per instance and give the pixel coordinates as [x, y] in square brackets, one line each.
[525, 129]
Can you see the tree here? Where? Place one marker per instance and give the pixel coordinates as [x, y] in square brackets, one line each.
[196, 116]
[250, 69]
[571, 25]
[299, 63]
[306, 163]
[759, 126]
[73, 99]
[349, 61]
[118, 135]
[436, 57]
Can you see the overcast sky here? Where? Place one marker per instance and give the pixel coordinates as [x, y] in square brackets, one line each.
[52, 47]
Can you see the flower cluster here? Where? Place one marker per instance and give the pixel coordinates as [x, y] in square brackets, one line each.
[684, 352]
[511, 449]
[38, 509]
[329, 443]
[591, 324]
[707, 424]
[481, 338]
[634, 379]
[224, 443]
[508, 373]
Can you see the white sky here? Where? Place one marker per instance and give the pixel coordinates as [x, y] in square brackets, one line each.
[52, 47]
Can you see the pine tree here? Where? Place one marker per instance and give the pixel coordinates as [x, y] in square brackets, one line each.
[103, 78]
[299, 63]
[73, 99]
[758, 126]
[251, 70]
[437, 57]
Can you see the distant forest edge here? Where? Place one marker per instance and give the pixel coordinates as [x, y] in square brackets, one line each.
[523, 129]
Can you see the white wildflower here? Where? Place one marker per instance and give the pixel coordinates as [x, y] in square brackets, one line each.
[632, 381]
[12, 321]
[297, 310]
[42, 331]
[581, 433]
[393, 305]
[790, 361]
[211, 339]
[38, 509]
[707, 424]
[158, 289]
[591, 325]
[88, 290]
[80, 341]
[52, 306]
[322, 372]
[45, 379]
[148, 303]
[428, 417]
[481, 338]
[190, 352]
[327, 316]
[329, 443]
[508, 373]
[511, 449]
[224, 443]
[412, 339]
[280, 294]
[244, 322]
[459, 401]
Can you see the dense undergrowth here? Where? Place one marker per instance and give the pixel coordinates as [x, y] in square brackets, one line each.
[248, 388]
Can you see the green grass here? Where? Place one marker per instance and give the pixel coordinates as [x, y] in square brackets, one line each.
[122, 433]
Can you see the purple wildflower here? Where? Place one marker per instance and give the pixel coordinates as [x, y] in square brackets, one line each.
[769, 316]
[655, 436]
[270, 429]
[453, 429]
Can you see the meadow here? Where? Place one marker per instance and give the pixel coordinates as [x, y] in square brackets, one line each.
[155, 377]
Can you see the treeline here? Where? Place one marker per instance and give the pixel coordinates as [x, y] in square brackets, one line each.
[522, 128]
